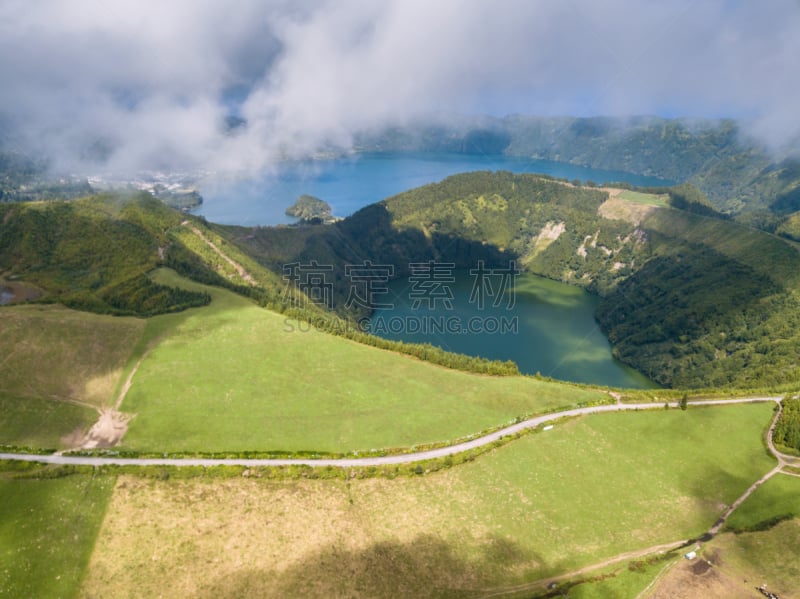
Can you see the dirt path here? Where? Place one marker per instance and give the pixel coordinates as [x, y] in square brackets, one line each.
[129, 379]
[717, 526]
[111, 424]
[236, 266]
[622, 557]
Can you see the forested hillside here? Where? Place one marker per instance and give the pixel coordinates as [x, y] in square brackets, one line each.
[688, 299]
[95, 254]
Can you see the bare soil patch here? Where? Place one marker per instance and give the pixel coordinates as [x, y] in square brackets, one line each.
[108, 430]
[698, 579]
[74, 438]
[618, 209]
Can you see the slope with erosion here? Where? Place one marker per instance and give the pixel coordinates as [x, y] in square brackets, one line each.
[690, 300]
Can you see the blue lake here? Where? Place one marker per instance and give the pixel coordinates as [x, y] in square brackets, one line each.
[548, 328]
[351, 183]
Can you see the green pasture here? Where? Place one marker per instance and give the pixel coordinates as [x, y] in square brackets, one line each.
[233, 376]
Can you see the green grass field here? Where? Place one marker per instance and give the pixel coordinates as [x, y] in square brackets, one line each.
[614, 482]
[232, 376]
[624, 580]
[647, 199]
[770, 554]
[42, 423]
[776, 498]
[47, 531]
[545, 504]
[51, 352]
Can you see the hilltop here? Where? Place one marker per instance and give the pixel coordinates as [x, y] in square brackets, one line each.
[690, 298]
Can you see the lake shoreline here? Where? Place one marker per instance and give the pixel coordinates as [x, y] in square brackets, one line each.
[349, 183]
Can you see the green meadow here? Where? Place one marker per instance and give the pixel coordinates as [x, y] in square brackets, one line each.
[765, 549]
[777, 498]
[545, 504]
[235, 377]
[59, 365]
[57, 353]
[42, 423]
[647, 199]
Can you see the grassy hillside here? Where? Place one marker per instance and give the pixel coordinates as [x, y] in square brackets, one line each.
[94, 254]
[42, 423]
[548, 503]
[90, 254]
[59, 365]
[235, 377]
[688, 299]
[61, 354]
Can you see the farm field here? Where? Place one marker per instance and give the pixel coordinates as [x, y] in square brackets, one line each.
[768, 554]
[776, 498]
[42, 423]
[47, 533]
[235, 377]
[647, 199]
[545, 504]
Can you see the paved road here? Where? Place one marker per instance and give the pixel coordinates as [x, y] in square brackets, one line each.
[368, 461]
[783, 459]
[714, 530]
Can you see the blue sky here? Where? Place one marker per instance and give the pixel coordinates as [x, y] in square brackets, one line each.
[156, 79]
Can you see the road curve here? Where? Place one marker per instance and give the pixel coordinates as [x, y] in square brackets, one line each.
[405, 458]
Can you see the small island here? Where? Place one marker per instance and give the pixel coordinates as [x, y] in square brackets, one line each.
[311, 210]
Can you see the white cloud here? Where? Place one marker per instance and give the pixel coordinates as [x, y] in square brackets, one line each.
[157, 78]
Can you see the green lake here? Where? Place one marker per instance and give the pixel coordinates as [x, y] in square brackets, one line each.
[544, 326]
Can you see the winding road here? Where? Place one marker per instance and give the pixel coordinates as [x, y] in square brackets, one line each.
[783, 460]
[405, 458]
